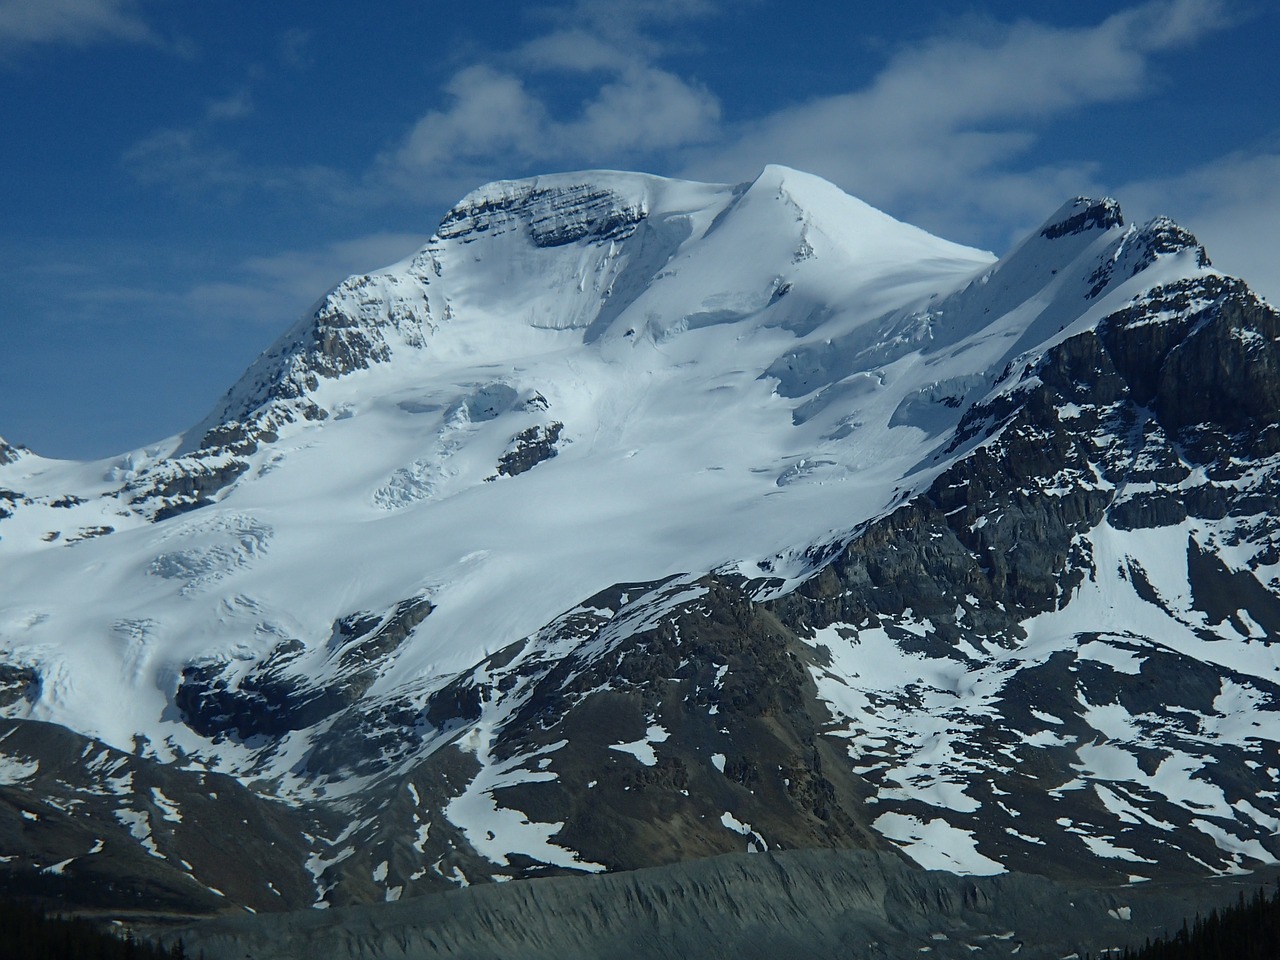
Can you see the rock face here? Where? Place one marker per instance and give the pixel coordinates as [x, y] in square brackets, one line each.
[8, 453]
[553, 216]
[633, 522]
[1028, 529]
[1082, 215]
[102, 830]
[279, 694]
[529, 448]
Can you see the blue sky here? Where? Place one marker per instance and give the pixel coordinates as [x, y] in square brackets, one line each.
[183, 178]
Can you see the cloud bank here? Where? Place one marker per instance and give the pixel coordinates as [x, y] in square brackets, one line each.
[79, 22]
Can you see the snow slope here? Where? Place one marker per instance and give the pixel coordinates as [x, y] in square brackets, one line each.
[650, 349]
[381, 542]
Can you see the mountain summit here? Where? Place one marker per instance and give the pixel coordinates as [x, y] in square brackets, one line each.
[632, 521]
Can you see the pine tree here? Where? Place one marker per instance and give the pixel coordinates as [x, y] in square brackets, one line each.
[31, 934]
[1247, 930]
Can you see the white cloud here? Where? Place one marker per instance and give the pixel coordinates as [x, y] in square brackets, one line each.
[571, 50]
[78, 22]
[642, 109]
[490, 114]
[180, 157]
[945, 135]
[526, 109]
[493, 124]
[942, 134]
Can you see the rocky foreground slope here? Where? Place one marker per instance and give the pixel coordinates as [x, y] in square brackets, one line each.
[632, 522]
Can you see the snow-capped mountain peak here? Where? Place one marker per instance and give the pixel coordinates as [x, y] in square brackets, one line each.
[736, 501]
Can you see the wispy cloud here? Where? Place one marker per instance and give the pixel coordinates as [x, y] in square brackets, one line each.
[947, 134]
[1232, 205]
[78, 22]
[942, 134]
[283, 285]
[147, 289]
[637, 111]
[194, 161]
[236, 104]
[588, 90]
[492, 122]
[571, 50]
[186, 160]
[202, 158]
[645, 28]
[293, 50]
[489, 114]
[133, 327]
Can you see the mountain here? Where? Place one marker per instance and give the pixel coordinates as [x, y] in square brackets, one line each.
[634, 521]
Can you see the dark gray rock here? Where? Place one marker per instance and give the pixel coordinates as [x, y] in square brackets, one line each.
[529, 448]
[1081, 215]
[18, 683]
[276, 696]
[553, 216]
[90, 828]
[9, 453]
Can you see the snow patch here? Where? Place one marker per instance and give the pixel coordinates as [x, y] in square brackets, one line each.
[14, 770]
[642, 749]
[937, 845]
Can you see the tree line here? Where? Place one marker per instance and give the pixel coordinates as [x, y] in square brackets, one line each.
[27, 933]
[1247, 930]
